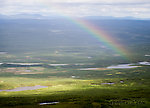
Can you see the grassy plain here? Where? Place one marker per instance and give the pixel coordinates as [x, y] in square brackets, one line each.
[73, 87]
[32, 41]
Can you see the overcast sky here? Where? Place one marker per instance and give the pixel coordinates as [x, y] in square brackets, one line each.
[116, 8]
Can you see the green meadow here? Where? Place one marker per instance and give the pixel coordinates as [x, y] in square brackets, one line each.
[71, 65]
[70, 85]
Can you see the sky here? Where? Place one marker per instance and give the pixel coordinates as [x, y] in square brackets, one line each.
[79, 8]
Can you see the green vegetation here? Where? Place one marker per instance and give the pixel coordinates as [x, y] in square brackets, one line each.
[71, 86]
[68, 84]
[75, 88]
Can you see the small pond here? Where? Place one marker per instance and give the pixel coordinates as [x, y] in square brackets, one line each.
[121, 66]
[48, 103]
[144, 63]
[25, 88]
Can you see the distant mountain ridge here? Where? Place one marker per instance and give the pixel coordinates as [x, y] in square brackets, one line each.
[39, 16]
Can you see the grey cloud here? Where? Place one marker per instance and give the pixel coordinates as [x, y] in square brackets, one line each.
[134, 8]
[78, 4]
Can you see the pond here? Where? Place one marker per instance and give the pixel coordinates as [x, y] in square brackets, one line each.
[122, 66]
[58, 64]
[48, 103]
[110, 83]
[93, 69]
[3, 52]
[144, 63]
[25, 88]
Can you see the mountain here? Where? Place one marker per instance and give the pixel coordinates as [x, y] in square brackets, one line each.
[113, 18]
[55, 16]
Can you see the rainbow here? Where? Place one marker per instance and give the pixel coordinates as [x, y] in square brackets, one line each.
[100, 35]
[97, 33]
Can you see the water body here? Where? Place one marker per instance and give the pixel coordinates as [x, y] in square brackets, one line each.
[58, 64]
[147, 55]
[25, 88]
[48, 103]
[89, 69]
[108, 83]
[121, 66]
[144, 63]
[25, 64]
[3, 52]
